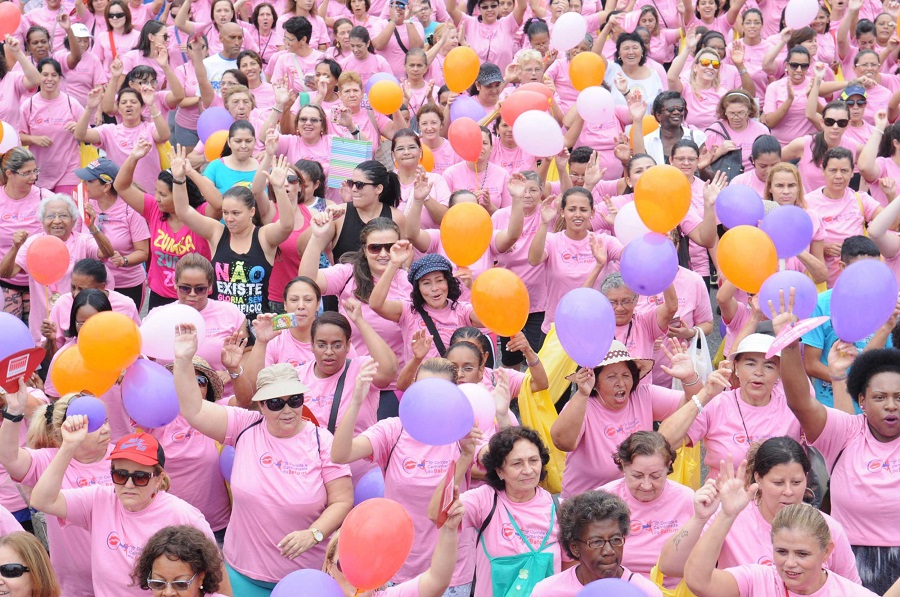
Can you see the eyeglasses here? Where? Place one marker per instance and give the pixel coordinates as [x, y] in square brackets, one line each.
[676, 110]
[358, 184]
[684, 160]
[177, 585]
[704, 62]
[36, 172]
[116, 15]
[202, 380]
[799, 65]
[859, 102]
[188, 290]
[13, 570]
[305, 119]
[140, 478]
[277, 404]
[830, 122]
[335, 346]
[61, 216]
[599, 543]
[741, 114]
[377, 248]
[625, 303]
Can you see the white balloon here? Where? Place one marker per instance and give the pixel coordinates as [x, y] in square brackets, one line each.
[595, 105]
[538, 133]
[800, 13]
[158, 329]
[10, 138]
[482, 402]
[628, 224]
[568, 32]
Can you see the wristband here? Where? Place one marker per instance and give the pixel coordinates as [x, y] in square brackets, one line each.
[743, 71]
[537, 361]
[125, 261]
[697, 404]
[176, 181]
[279, 110]
[879, 131]
[841, 378]
[238, 374]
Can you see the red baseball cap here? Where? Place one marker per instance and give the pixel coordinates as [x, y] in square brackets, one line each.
[141, 448]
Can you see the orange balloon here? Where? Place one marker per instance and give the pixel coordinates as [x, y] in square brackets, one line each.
[500, 300]
[47, 259]
[375, 522]
[385, 97]
[466, 231]
[427, 159]
[662, 197]
[649, 124]
[69, 374]
[215, 145]
[747, 257]
[465, 138]
[586, 70]
[461, 68]
[109, 342]
[520, 102]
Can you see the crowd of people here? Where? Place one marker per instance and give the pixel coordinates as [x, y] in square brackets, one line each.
[326, 291]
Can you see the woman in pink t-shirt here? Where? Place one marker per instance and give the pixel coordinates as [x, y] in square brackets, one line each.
[489, 34]
[120, 35]
[26, 565]
[639, 331]
[431, 123]
[306, 9]
[182, 559]
[594, 527]
[879, 158]
[703, 90]
[811, 149]
[736, 127]
[363, 60]
[262, 38]
[764, 154]
[416, 185]
[609, 406]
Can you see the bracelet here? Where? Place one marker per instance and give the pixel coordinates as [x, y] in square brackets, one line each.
[697, 404]
[279, 110]
[155, 115]
[537, 361]
[693, 383]
[841, 378]
[125, 261]
[93, 230]
[176, 181]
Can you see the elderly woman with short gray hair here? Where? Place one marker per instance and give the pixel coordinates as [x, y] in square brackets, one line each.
[638, 331]
[59, 217]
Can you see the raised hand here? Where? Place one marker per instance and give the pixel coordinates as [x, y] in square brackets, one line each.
[784, 315]
[353, 310]
[17, 403]
[141, 148]
[422, 185]
[233, 350]
[364, 380]
[713, 187]
[706, 500]
[840, 357]
[548, 210]
[272, 137]
[277, 177]
[262, 328]
[74, 430]
[321, 225]
[421, 344]
[585, 379]
[185, 341]
[148, 94]
[598, 249]
[95, 96]
[733, 495]
[401, 251]
[682, 367]
[177, 161]
[516, 185]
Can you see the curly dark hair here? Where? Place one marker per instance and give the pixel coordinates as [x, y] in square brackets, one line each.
[501, 445]
[576, 513]
[869, 364]
[185, 543]
[454, 291]
[644, 443]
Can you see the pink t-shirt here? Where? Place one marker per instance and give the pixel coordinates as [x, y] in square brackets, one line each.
[569, 263]
[9, 524]
[46, 18]
[753, 62]
[87, 74]
[512, 160]
[750, 542]
[493, 179]
[284, 348]
[70, 547]
[864, 475]
[444, 157]
[118, 536]
[19, 214]
[726, 422]
[13, 87]
[62, 309]
[754, 580]
[294, 67]
[134, 58]
[812, 175]
[446, 321]
[887, 168]
[743, 139]
[42, 117]
[566, 584]
[321, 395]
[319, 30]
[493, 43]
[500, 538]
[702, 104]
[558, 72]
[640, 334]
[392, 52]
[123, 227]
[373, 63]
[516, 258]
[439, 192]
[121, 43]
[266, 470]
[750, 179]
[118, 141]
[652, 523]
[841, 218]
[794, 124]
[222, 320]
[591, 464]
[735, 325]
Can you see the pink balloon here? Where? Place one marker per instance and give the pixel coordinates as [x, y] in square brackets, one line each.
[10, 135]
[595, 105]
[538, 133]
[629, 225]
[800, 13]
[158, 329]
[482, 404]
[568, 31]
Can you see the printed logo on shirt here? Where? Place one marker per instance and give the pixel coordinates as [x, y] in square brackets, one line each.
[89, 481]
[282, 466]
[324, 401]
[18, 217]
[741, 439]
[183, 436]
[411, 466]
[241, 287]
[654, 527]
[169, 247]
[626, 428]
[766, 561]
[569, 257]
[115, 543]
[892, 466]
[535, 537]
[844, 216]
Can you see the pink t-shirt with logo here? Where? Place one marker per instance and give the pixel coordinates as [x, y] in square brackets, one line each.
[168, 246]
[117, 141]
[321, 395]
[444, 157]
[266, 470]
[123, 227]
[319, 30]
[566, 584]
[493, 43]
[62, 309]
[591, 463]
[447, 320]
[500, 538]
[511, 160]
[640, 334]
[754, 580]
[493, 179]
[516, 258]
[19, 214]
[118, 536]
[373, 63]
[43, 117]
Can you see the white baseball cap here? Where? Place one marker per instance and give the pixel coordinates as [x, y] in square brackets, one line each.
[80, 30]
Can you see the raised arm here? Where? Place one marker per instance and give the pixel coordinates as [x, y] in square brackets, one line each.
[74, 55]
[130, 194]
[260, 186]
[206, 227]
[277, 232]
[381, 353]
[104, 246]
[674, 73]
[537, 253]
[676, 426]
[181, 19]
[454, 11]
[847, 28]
[676, 550]
[669, 307]
[207, 417]
[866, 160]
[14, 459]
[505, 239]
[161, 134]
[207, 93]
[434, 581]
[413, 228]
[392, 310]
[46, 495]
[32, 76]
[8, 266]
[770, 59]
[346, 448]
[82, 132]
[566, 430]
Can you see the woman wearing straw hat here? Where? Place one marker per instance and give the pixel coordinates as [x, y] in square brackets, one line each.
[609, 406]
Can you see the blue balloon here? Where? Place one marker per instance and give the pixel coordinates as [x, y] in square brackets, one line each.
[585, 326]
[226, 462]
[649, 264]
[805, 293]
[370, 486]
[739, 205]
[610, 587]
[436, 412]
[790, 228]
[863, 299]
[93, 408]
[380, 77]
[307, 582]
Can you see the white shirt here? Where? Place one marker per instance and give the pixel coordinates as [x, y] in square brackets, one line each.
[653, 144]
[216, 66]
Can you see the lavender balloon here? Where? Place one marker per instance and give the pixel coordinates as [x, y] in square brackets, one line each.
[862, 300]
[370, 486]
[466, 107]
[436, 412]
[15, 334]
[739, 205]
[226, 462]
[805, 293]
[212, 120]
[790, 228]
[610, 587]
[649, 264]
[585, 325]
[148, 393]
[307, 582]
[91, 407]
[380, 77]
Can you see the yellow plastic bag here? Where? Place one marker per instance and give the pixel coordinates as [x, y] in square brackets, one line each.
[164, 150]
[87, 154]
[687, 466]
[537, 409]
[679, 591]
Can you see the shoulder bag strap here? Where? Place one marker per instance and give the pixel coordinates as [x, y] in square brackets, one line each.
[391, 453]
[429, 323]
[246, 429]
[336, 403]
[399, 41]
[862, 212]
[724, 132]
[112, 43]
[487, 521]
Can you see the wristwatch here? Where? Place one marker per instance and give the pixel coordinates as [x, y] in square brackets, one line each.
[317, 534]
[18, 418]
[125, 260]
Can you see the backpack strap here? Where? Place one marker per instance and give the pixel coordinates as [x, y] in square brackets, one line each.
[399, 41]
[336, 403]
[432, 329]
[246, 429]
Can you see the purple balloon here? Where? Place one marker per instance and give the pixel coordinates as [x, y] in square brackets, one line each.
[739, 205]
[212, 120]
[15, 334]
[723, 329]
[370, 486]
[436, 412]
[610, 587]
[805, 293]
[307, 582]
[466, 107]
[226, 462]
[148, 393]
[790, 228]
[863, 298]
[649, 264]
[585, 325]
[380, 77]
[91, 407]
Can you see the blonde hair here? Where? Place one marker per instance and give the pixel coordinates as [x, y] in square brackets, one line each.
[439, 366]
[803, 518]
[43, 579]
[693, 79]
[349, 76]
[530, 56]
[43, 431]
[793, 171]
[439, 30]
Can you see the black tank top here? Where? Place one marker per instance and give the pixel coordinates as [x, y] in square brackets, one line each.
[349, 238]
[242, 278]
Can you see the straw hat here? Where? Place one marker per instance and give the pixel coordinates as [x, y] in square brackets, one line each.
[619, 354]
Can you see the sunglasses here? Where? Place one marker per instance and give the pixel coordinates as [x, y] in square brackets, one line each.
[859, 102]
[202, 380]
[116, 15]
[704, 62]
[139, 478]
[676, 110]
[198, 290]
[842, 123]
[358, 184]
[277, 404]
[377, 248]
[800, 65]
[293, 179]
[13, 570]
[178, 586]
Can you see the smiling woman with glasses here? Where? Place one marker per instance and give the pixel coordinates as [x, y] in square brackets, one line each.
[277, 453]
[25, 569]
[181, 559]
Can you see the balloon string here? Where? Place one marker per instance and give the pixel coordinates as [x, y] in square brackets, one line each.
[47, 298]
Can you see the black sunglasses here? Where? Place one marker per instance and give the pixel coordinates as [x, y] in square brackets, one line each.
[116, 15]
[140, 478]
[293, 178]
[358, 184]
[277, 404]
[13, 570]
[800, 65]
[187, 290]
[377, 248]
[842, 123]
[859, 102]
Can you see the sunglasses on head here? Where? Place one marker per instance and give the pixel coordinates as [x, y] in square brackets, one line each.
[13, 570]
[377, 248]
[358, 184]
[276, 404]
[704, 62]
[858, 102]
[842, 123]
[140, 478]
[800, 65]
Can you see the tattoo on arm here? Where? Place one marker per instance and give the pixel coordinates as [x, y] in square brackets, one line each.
[680, 537]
